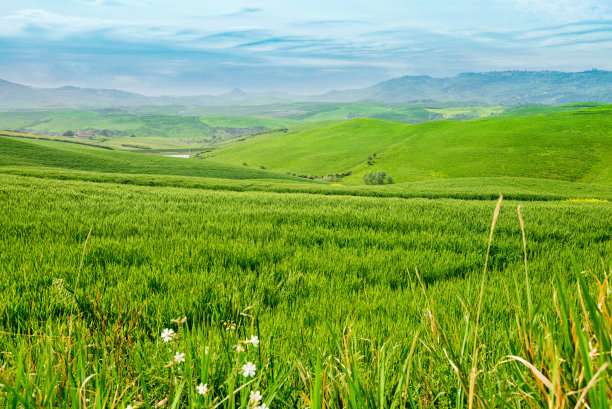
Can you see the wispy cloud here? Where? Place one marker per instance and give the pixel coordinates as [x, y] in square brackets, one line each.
[243, 12]
[330, 23]
[202, 46]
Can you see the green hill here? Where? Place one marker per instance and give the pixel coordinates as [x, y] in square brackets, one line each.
[16, 152]
[539, 110]
[121, 127]
[573, 146]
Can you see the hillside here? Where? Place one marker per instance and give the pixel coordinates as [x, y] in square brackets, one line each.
[177, 127]
[16, 152]
[120, 129]
[574, 146]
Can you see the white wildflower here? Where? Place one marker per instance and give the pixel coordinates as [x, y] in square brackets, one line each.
[167, 334]
[255, 396]
[239, 348]
[254, 340]
[263, 406]
[202, 388]
[178, 357]
[248, 369]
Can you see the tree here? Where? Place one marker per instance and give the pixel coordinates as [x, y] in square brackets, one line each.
[68, 133]
[376, 178]
[368, 178]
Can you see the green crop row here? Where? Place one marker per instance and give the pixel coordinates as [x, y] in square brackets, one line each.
[376, 302]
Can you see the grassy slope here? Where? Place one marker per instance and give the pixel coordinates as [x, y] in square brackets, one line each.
[551, 110]
[575, 146]
[246, 121]
[168, 127]
[58, 122]
[152, 131]
[67, 161]
[171, 122]
[341, 111]
[467, 188]
[22, 152]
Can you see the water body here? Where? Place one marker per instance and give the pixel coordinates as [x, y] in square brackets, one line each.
[178, 156]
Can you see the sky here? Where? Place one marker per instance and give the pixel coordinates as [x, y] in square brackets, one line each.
[189, 47]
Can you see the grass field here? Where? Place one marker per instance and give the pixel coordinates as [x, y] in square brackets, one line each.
[526, 189]
[420, 294]
[29, 152]
[159, 131]
[573, 146]
[179, 127]
[246, 121]
[552, 109]
[307, 274]
[318, 111]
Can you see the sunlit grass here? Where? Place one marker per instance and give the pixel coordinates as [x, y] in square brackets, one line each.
[318, 293]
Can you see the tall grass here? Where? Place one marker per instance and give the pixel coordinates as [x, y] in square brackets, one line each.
[325, 284]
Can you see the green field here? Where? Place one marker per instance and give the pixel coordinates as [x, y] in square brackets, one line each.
[462, 113]
[573, 146]
[180, 127]
[318, 111]
[539, 110]
[151, 131]
[29, 152]
[359, 296]
[246, 121]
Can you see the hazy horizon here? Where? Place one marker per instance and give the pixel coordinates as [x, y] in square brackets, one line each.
[273, 91]
[161, 47]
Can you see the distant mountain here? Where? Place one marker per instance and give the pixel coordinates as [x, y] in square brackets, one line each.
[18, 93]
[502, 87]
[234, 97]
[20, 96]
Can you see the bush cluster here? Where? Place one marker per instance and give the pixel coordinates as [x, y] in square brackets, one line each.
[377, 178]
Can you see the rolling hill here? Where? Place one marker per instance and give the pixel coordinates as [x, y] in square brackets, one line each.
[15, 152]
[171, 128]
[53, 159]
[571, 146]
[128, 129]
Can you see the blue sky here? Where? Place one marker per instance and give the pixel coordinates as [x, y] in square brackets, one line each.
[182, 47]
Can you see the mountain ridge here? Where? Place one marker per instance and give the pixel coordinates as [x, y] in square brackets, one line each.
[493, 87]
